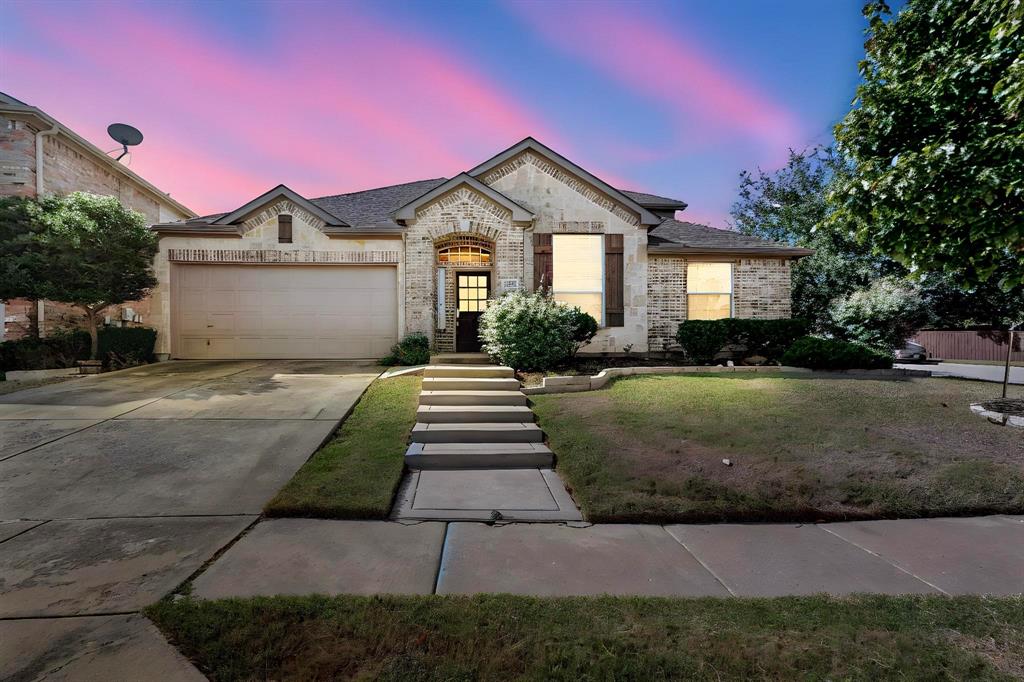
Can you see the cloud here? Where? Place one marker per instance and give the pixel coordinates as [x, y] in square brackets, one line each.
[704, 101]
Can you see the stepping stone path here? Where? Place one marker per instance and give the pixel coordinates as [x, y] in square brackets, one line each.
[476, 418]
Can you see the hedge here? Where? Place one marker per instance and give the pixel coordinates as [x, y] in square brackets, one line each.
[817, 353]
[118, 347]
[702, 340]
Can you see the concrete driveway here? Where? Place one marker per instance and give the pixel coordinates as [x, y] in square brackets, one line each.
[116, 488]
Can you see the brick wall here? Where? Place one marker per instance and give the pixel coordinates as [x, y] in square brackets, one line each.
[761, 290]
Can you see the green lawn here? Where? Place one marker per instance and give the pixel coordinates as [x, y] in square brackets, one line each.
[650, 449]
[356, 474]
[522, 638]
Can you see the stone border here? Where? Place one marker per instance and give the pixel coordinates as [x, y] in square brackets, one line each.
[29, 375]
[1000, 417]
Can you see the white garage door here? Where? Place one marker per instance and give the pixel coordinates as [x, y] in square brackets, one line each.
[283, 311]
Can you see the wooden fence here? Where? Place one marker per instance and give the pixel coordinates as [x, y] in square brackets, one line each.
[971, 345]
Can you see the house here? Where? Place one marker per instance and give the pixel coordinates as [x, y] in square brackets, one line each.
[344, 276]
[39, 155]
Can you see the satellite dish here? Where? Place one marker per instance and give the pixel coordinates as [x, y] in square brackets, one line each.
[126, 135]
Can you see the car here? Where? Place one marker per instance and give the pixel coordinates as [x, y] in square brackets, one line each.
[912, 352]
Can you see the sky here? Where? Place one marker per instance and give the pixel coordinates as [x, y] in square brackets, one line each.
[672, 98]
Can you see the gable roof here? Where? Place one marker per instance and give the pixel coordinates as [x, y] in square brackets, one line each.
[529, 143]
[519, 214]
[374, 207]
[281, 191]
[676, 236]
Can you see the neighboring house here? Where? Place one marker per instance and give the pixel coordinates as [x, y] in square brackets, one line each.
[39, 155]
[345, 276]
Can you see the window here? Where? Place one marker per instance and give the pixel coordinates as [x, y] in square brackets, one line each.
[464, 255]
[284, 229]
[708, 291]
[577, 272]
[472, 293]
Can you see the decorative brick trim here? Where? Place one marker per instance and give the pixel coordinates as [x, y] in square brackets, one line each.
[283, 206]
[465, 195]
[263, 256]
[558, 173]
[580, 226]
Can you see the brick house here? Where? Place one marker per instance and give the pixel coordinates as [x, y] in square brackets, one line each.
[39, 155]
[345, 276]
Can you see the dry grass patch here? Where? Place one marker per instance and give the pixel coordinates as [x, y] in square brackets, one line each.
[651, 449]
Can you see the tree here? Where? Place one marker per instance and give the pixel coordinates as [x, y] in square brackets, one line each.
[96, 253]
[21, 257]
[937, 139]
[883, 315]
[791, 205]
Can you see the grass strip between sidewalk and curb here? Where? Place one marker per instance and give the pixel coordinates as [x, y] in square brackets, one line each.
[355, 475]
[503, 637]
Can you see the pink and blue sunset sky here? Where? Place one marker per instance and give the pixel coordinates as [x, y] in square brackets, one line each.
[236, 97]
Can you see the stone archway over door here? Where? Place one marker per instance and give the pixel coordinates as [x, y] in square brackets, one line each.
[467, 263]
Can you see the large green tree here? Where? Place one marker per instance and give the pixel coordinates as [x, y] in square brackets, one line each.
[937, 139]
[21, 257]
[97, 253]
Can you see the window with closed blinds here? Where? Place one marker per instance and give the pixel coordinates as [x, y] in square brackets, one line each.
[708, 291]
[578, 272]
[284, 229]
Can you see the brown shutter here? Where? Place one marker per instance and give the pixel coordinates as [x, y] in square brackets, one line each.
[613, 301]
[541, 261]
[284, 229]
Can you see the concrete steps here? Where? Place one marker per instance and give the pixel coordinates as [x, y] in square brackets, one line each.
[478, 455]
[468, 372]
[460, 359]
[479, 432]
[472, 398]
[469, 384]
[456, 414]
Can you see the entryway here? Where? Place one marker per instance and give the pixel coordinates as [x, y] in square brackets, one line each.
[471, 292]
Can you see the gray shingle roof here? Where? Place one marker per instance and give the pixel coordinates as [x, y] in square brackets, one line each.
[676, 235]
[645, 199]
[373, 207]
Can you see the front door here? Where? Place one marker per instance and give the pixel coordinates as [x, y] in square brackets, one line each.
[471, 293]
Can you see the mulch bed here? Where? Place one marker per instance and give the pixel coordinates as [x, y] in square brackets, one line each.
[1013, 407]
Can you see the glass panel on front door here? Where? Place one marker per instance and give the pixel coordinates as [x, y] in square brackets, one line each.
[472, 293]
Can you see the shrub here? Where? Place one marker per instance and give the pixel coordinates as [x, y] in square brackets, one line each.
[818, 353]
[583, 328]
[531, 331]
[414, 349]
[124, 346]
[883, 315]
[702, 339]
[769, 338]
[60, 349]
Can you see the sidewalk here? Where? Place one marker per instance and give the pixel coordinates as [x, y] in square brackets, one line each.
[982, 555]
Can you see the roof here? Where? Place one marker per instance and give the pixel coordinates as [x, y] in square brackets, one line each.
[676, 236]
[654, 201]
[519, 214]
[241, 212]
[529, 143]
[373, 207]
[11, 105]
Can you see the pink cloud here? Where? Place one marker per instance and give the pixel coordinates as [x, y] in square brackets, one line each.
[222, 126]
[645, 57]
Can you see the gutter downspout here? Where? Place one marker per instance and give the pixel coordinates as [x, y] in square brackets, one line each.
[39, 157]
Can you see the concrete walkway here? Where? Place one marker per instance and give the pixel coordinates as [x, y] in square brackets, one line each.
[983, 555]
[114, 489]
[964, 370]
[477, 453]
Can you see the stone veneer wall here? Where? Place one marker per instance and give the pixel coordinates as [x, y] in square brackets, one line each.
[761, 290]
[563, 203]
[461, 211]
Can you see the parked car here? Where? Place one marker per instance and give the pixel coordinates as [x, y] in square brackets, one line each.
[912, 352]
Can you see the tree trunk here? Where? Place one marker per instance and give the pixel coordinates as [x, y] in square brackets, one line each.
[94, 335]
[33, 318]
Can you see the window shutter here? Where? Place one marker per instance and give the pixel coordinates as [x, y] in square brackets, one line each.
[542, 271]
[284, 229]
[614, 309]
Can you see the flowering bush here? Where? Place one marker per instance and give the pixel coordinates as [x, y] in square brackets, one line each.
[532, 331]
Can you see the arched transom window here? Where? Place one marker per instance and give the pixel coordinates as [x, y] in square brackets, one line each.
[464, 255]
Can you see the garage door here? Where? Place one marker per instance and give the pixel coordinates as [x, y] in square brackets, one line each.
[284, 311]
